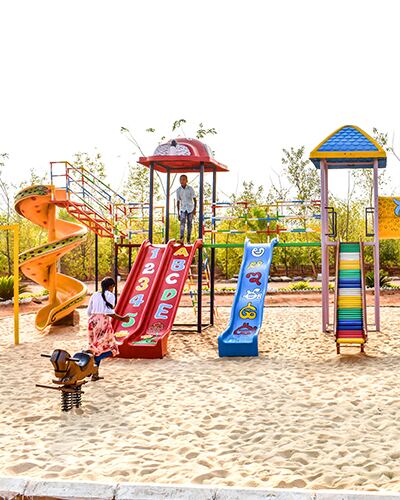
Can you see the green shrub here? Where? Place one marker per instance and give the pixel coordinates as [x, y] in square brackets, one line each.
[384, 279]
[300, 285]
[7, 287]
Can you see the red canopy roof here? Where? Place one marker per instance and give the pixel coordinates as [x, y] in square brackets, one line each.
[183, 155]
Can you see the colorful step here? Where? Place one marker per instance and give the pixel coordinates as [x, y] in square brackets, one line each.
[349, 314]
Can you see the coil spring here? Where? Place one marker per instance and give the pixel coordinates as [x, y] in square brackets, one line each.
[71, 399]
[77, 398]
[66, 401]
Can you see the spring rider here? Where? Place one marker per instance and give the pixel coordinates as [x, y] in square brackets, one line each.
[70, 373]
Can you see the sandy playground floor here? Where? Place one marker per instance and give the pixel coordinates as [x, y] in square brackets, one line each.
[297, 416]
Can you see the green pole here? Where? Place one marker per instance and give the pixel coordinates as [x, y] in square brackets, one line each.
[282, 245]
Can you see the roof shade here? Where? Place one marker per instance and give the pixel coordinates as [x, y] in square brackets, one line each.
[349, 147]
[183, 155]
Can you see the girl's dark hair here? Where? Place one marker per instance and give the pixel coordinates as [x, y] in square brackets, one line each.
[105, 285]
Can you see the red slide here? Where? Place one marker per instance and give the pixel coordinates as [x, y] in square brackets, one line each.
[151, 297]
[134, 299]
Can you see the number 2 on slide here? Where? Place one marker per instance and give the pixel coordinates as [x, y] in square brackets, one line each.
[148, 268]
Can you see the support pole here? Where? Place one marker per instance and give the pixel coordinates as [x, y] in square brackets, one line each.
[16, 283]
[167, 202]
[212, 263]
[116, 270]
[51, 236]
[151, 202]
[129, 258]
[96, 261]
[200, 251]
[324, 245]
[377, 289]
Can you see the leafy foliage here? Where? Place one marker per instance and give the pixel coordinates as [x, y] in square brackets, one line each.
[384, 279]
[301, 285]
[7, 287]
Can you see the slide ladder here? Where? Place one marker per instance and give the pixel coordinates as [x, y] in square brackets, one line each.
[350, 324]
[38, 204]
[151, 298]
[241, 336]
[90, 200]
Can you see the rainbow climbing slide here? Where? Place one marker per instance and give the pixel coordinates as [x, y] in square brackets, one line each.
[241, 336]
[38, 204]
[350, 310]
[151, 297]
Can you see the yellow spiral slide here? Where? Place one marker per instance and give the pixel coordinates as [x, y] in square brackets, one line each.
[39, 204]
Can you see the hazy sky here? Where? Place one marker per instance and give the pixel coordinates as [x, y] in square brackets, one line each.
[265, 74]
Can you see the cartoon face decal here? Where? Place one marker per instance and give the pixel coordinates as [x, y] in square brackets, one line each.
[253, 294]
[257, 252]
[248, 312]
[254, 278]
[254, 264]
[245, 329]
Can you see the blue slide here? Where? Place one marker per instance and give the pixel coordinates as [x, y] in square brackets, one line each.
[241, 336]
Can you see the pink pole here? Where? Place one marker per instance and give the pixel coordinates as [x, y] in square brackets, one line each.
[324, 245]
[377, 290]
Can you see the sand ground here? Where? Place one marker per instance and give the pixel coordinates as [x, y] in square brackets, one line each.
[296, 416]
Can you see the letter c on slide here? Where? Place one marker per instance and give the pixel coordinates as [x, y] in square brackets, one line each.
[171, 278]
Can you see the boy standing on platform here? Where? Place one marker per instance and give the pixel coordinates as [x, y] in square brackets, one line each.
[186, 204]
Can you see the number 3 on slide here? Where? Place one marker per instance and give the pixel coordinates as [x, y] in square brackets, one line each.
[143, 284]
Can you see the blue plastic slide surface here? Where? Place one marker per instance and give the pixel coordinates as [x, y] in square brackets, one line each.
[241, 336]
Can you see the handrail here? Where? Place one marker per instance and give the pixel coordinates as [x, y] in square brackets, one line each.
[96, 180]
[91, 182]
[93, 209]
[336, 296]
[369, 211]
[363, 286]
[90, 196]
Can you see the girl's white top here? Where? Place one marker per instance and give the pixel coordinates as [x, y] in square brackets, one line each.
[97, 304]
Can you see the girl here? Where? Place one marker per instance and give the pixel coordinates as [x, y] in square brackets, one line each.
[100, 311]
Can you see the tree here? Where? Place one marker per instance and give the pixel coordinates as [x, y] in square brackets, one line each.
[364, 177]
[80, 261]
[6, 197]
[301, 174]
[94, 164]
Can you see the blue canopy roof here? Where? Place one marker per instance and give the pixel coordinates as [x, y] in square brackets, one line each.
[349, 147]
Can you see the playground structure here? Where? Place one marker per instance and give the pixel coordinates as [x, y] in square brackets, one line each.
[152, 312]
[70, 372]
[279, 217]
[241, 336]
[151, 298]
[348, 147]
[350, 320]
[38, 204]
[160, 272]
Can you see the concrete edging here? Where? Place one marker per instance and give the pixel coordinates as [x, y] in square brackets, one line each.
[24, 488]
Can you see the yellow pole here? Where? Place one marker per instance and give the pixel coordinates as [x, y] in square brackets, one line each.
[16, 284]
